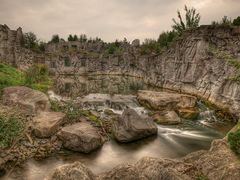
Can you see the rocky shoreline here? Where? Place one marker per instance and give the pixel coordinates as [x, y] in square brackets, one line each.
[48, 132]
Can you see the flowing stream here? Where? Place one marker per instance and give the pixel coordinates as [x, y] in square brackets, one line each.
[115, 92]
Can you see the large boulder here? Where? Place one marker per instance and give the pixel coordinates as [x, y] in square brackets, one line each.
[81, 137]
[131, 126]
[166, 118]
[219, 162]
[29, 100]
[149, 168]
[46, 124]
[123, 171]
[169, 101]
[74, 171]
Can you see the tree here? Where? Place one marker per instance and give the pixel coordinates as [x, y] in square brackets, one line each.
[83, 38]
[226, 20]
[75, 38]
[165, 38]
[70, 37]
[30, 40]
[192, 19]
[236, 22]
[55, 38]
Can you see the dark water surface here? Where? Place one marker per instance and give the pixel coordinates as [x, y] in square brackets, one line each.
[171, 141]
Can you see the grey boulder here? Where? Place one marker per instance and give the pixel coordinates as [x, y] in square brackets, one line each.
[131, 126]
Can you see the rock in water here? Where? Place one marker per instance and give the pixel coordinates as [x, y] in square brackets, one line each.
[47, 123]
[166, 117]
[29, 100]
[81, 137]
[74, 171]
[168, 101]
[130, 126]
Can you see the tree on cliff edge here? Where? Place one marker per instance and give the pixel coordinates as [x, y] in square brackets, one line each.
[192, 19]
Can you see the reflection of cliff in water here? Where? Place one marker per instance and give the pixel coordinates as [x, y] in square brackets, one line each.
[72, 86]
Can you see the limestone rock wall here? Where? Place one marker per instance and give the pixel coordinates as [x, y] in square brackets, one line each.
[198, 63]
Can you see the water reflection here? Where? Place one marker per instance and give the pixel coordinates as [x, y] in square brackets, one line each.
[75, 86]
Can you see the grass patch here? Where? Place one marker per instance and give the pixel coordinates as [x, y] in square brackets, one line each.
[36, 77]
[10, 76]
[70, 109]
[10, 128]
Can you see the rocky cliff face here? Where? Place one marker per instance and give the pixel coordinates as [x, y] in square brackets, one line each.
[204, 62]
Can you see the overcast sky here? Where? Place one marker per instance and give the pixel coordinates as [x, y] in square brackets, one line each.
[108, 19]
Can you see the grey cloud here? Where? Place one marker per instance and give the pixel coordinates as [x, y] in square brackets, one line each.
[108, 19]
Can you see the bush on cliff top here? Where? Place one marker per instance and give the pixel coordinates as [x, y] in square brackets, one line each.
[234, 141]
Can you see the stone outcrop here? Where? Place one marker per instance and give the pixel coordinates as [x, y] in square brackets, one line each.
[164, 102]
[73, 171]
[81, 137]
[47, 123]
[29, 100]
[131, 126]
[219, 162]
[166, 117]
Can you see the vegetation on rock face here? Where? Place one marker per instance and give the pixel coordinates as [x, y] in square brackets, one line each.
[236, 22]
[234, 141]
[36, 77]
[10, 128]
[192, 19]
[10, 76]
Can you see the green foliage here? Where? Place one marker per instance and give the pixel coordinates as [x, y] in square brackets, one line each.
[31, 42]
[236, 22]
[226, 21]
[83, 38]
[150, 46]
[201, 177]
[166, 38]
[192, 19]
[37, 77]
[234, 141]
[10, 76]
[55, 38]
[72, 37]
[10, 128]
[71, 110]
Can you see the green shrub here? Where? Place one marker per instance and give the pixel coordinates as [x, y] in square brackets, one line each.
[71, 110]
[10, 76]
[234, 141]
[37, 77]
[10, 128]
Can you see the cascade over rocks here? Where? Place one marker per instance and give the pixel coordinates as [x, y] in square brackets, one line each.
[29, 100]
[130, 126]
[81, 137]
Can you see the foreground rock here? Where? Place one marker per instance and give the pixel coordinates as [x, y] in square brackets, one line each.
[29, 100]
[217, 163]
[130, 126]
[75, 171]
[166, 117]
[81, 137]
[47, 123]
[168, 101]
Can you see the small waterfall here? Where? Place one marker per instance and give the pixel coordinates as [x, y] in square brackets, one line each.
[206, 116]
